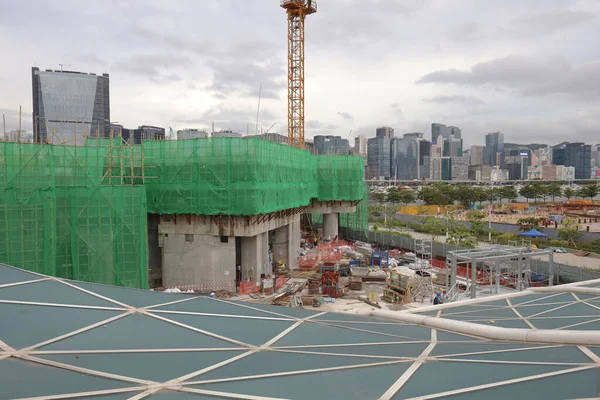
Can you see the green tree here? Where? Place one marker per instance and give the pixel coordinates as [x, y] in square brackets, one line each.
[437, 194]
[528, 223]
[569, 231]
[509, 193]
[542, 191]
[569, 193]
[528, 191]
[433, 226]
[554, 190]
[462, 238]
[479, 194]
[476, 218]
[589, 191]
[465, 195]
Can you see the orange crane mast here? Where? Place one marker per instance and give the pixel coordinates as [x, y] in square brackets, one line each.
[297, 10]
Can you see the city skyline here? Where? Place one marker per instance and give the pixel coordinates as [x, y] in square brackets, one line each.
[503, 66]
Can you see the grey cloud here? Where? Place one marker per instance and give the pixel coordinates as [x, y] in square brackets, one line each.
[466, 32]
[345, 115]
[157, 67]
[549, 22]
[12, 119]
[531, 76]
[456, 99]
[245, 78]
[320, 127]
[238, 120]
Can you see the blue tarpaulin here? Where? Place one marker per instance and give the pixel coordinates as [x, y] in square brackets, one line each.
[534, 233]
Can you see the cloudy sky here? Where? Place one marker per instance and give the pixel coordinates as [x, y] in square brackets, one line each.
[528, 68]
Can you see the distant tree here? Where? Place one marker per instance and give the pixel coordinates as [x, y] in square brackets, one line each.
[476, 218]
[569, 192]
[589, 191]
[528, 223]
[433, 226]
[528, 191]
[509, 193]
[462, 239]
[569, 231]
[542, 191]
[554, 190]
[437, 194]
[493, 194]
[465, 195]
[479, 194]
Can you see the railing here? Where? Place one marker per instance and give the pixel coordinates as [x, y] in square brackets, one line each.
[311, 5]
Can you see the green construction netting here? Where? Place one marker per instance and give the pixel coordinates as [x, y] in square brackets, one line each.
[59, 218]
[80, 212]
[358, 221]
[233, 176]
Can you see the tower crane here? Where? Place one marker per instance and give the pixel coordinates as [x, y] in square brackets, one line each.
[297, 10]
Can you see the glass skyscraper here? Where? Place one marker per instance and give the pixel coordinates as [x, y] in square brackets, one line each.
[69, 106]
[494, 148]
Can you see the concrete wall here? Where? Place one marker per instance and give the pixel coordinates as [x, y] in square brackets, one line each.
[205, 261]
[225, 225]
[154, 253]
[328, 207]
[255, 256]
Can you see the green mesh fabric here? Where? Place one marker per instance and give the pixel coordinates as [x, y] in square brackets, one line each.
[60, 217]
[79, 212]
[233, 176]
[359, 220]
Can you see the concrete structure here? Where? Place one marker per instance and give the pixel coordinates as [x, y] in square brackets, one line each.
[476, 155]
[206, 249]
[226, 134]
[184, 134]
[385, 132]
[413, 135]
[479, 173]
[274, 137]
[331, 145]
[378, 158]
[136, 136]
[534, 173]
[360, 146]
[498, 175]
[69, 106]
[460, 168]
[578, 155]
[331, 211]
[558, 173]
[493, 153]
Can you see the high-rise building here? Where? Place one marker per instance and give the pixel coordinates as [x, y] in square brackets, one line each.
[596, 154]
[184, 134]
[424, 151]
[273, 137]
[479, 172]
[378, 158]
[414, 135]
[446, 168]
[578, 155]
[404, 159]
[498, 174]
[360, 145]
[493, 153]
[455, 131]
[459, 168]
[385, 131]
[69, 106]
[476, 155]
[558, 173]
[517, 164]
[438, 130]
[331, 145]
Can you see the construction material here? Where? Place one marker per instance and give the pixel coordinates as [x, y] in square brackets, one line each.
[397, 290]
[355, 283]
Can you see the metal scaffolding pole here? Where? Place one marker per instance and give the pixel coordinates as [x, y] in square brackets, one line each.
[473, 278]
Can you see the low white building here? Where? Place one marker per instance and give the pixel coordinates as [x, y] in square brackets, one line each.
[498, 174]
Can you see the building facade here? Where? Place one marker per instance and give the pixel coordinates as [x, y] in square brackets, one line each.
[578, 155]
[480, 173]
[184, 134]
[558, 173]
[404, 159]
[498, 174]
[460, 168]
[360, 146]
[378, 158]
[476, 155]
[331, 145]
[384, 131]
[69, 106]
[493, 153]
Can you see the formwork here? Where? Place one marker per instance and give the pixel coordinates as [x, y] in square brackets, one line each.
[80, 212]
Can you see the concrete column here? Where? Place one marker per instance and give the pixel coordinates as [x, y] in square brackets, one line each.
[255, 256]
[286, 245]
[330, 225]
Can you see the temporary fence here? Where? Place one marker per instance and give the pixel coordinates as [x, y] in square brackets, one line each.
[80, 212]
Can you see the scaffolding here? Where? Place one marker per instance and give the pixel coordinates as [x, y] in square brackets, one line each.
[80, 211]
[493, 266]
[423, 284]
